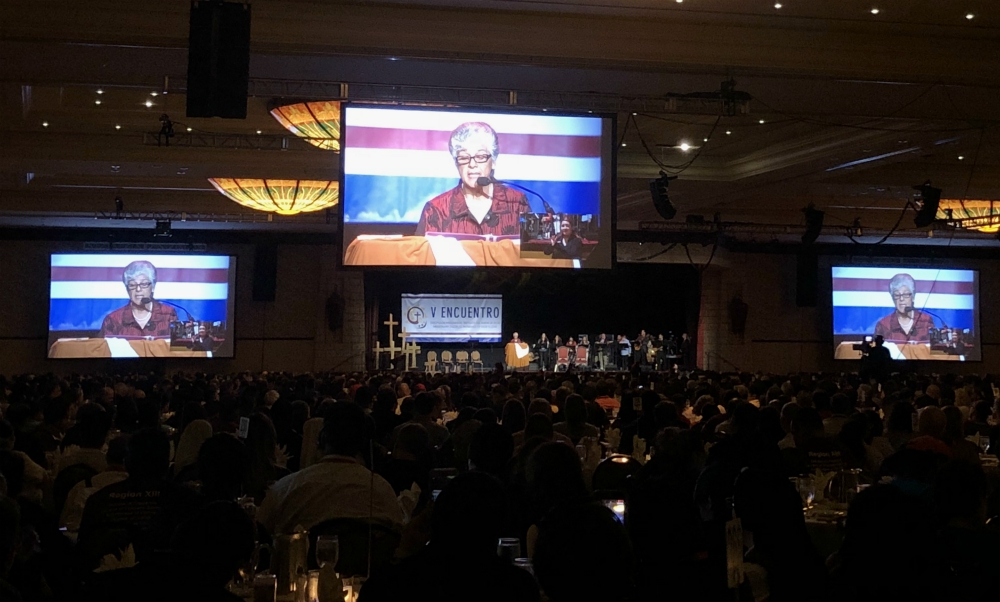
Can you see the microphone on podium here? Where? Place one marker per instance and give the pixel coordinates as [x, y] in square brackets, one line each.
[190, 316]
[487, 180]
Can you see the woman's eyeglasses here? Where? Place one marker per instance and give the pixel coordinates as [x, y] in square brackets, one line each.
[466, 159]
[140, 286]
[902, 296]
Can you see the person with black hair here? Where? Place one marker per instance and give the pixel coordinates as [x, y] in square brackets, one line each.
[223, 468]
[87, 438]
[427, 409]
[339, 485]
[491, 449]
[141, 511]
[469, 516]
[576, 427]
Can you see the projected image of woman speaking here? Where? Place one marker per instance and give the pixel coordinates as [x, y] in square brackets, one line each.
[478, 205]
[142, 316]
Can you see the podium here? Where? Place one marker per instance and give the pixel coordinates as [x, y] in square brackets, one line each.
[420, 250]
[100, 348]
[897, 351]
[517, 355]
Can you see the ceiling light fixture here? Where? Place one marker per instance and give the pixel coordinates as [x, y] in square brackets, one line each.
[778, 5]
[729, 132]
[761, 122]
[623, 144]
[258, 132]
[684, 146]
[318, 123]
[961, 157]
[45, 124]
[970, 16]
[189, 129]
[284, 197]
[118, 127]
[705, 140]
[153, 93]
[97, 102]
[875, 11]
[100, 91]
[979, 215]
[148, 103]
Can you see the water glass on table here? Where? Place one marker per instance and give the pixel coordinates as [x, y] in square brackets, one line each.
[509, 549]
[327, 550]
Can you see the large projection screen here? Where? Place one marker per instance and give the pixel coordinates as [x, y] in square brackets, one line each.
[452, 318]
[432, 187]
[921, 313]
[141, 305]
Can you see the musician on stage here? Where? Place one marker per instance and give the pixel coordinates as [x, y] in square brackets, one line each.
[544, 350]
[601, 356]
[624, 351]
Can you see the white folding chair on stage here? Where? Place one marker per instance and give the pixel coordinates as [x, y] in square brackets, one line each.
[431, 365]
[477, 360]
[446, 364]
[461, 361]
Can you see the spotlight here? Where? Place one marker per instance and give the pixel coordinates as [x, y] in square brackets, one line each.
[814, 224]
[930, 198]
[659, 190]
[685, 146]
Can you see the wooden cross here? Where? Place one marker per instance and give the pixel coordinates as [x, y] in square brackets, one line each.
[411, 350]
[391, 349]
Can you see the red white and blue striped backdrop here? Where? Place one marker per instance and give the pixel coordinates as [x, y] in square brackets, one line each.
[85, 288]
[861, 297]
[395, 160]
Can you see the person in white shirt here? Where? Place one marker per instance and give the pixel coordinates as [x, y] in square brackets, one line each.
[339, 485]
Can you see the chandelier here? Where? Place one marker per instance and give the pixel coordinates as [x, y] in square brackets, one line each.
[284, 197]
[983, 216]
[318, 123]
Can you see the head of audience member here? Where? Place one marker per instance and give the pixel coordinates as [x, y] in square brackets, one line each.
[59, 416]
[932, 422]
[385, 402]
[955, 427]
[665, 415]
[413, 444]
[807, 426]
[213, 544]
[576, 410]
[841, 404]
[148, 455]
[491, 449]
[427, 407]
[513, 419]
[555, 477]
[194, 435]
[982, 411]
[345, 431]
[577, 544]
[469, 517]
[788, 412]
[538, 425]
[901, 418]
[224, 467]
[485, 416]
[540, 406]
[91, 429]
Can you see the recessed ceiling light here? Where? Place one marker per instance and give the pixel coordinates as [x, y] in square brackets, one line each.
[153, 93]
[97, 102]
[961, 158]
[623, 144]
[118, 127]
[777, 5]
[728, 132]
[970, 16]
[680, 1]
[762, 122]
[259, 132]
[100, 91]
[634, 114]
[45, 124]
[149, 103]
[189, 129]
[685, 147]
[875, 11]
[705, 140]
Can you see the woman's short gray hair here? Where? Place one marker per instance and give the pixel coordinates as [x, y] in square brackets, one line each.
[900, 280]
[473, 129]
[137, 268]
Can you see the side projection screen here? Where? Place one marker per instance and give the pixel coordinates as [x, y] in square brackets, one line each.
[921, 313]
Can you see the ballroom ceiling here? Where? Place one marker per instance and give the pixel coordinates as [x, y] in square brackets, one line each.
[847, 109]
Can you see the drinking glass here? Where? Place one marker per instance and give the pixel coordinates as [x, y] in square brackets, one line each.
[509, 549]
[327, 550]
[265, 588]
[525, 563]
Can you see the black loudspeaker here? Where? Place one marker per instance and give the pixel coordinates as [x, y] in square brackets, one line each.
[218, 75]
[265, 272]
[806, 280]
[335, 312]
